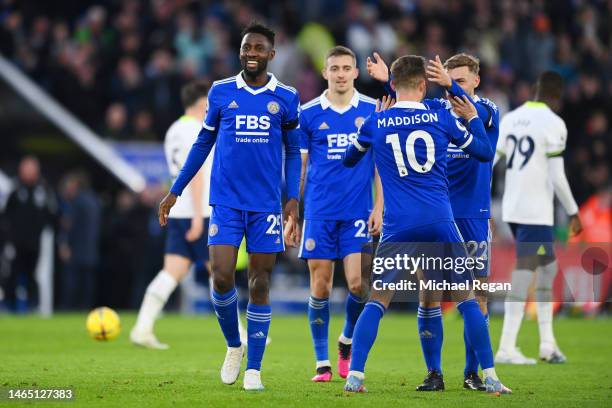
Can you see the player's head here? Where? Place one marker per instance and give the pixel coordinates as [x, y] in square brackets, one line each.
[29, 170]
[464, 69]
[194, 97]
[340, 69]
[409, 75]
[256, 49]
[549, 89]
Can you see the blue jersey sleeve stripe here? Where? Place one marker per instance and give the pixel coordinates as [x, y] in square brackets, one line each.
[312, 103]
[466, 144]
[367, 99]
[288, 88]
[208, 127]
[360, 147]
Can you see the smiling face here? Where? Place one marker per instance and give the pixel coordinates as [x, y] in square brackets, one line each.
[465, 78]
[255, 53]
[340, 72]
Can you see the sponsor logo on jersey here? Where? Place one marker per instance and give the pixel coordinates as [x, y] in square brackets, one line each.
[310, 244]
[273, 107]
[233, 105]
[213, 230]
[323, 126]
[359, 121]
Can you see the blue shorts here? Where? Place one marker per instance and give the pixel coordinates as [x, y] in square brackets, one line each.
[533, 240]
[333, 239]
[439, 244]
[263, 231]
[176, 244]
[477, 236]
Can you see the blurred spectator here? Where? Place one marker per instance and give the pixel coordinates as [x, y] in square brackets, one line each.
[142, 127]
[78, 242]
[116, 122]
[29, 209]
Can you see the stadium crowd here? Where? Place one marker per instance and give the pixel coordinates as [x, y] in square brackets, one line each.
[119, 64]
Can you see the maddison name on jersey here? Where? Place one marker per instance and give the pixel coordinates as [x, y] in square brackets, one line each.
[428, 117]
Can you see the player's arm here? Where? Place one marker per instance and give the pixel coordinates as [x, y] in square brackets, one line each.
[360, 145]
[293, 169]
[196, 157]
[475, 140]
[556, 172]
[375, 219]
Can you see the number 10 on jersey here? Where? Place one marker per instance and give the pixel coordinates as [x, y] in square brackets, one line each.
[430, 149]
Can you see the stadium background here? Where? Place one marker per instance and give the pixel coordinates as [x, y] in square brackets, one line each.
[118, 66]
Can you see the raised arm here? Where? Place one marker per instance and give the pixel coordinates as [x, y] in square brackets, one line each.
[473, 141]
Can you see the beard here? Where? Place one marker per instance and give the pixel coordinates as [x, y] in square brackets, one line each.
[262, 66]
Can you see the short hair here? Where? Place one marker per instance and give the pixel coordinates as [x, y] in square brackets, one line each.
[408, 71]
[338, 51]
[192, 92]
[550, 85]
[463, 60]
[259, 28]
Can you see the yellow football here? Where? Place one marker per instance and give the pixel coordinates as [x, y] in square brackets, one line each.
[103, 323]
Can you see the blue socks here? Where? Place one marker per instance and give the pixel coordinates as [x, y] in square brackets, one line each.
[258, 324]
[429, 321]
[366, 330]
[354, 306]
[477, 332]
[471, 361]
[226, 309]
[318, 317]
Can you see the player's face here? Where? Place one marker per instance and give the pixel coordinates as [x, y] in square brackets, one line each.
[255, 52]
[340, 72]
[465, 78]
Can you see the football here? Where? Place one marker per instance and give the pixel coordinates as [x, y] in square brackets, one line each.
[103, 323]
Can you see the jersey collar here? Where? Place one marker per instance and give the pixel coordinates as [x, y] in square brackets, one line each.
[409, 104]
[325, 103]
[271, 85]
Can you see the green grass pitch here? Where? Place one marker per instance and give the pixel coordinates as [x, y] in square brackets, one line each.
[57, 352]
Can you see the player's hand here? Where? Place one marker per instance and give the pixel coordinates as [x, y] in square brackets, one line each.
[377, 69]
[575, 225]
[164, 208]
[291, 227]
[384, 104]
[437, 74]
[463, 107]
[195, 231]
[375, 222]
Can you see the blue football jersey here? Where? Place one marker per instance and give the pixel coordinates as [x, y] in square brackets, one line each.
[469, 180]
[248, 165]
[333, 191]
[410, 144]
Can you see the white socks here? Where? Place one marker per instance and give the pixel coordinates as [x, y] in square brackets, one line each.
[490, 373]
[514, 308]
[544, 283]
[345, 340]
[155, 298]
[357, 374]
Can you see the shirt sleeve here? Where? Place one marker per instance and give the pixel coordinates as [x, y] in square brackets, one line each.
[501, 141]
[474, 141]
[304, 135]
[361, 144]
[292, 114]
[213, 111]
[555, 140]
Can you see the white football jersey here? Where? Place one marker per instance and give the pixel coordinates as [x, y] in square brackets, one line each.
[528, 136]
[179, 139]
